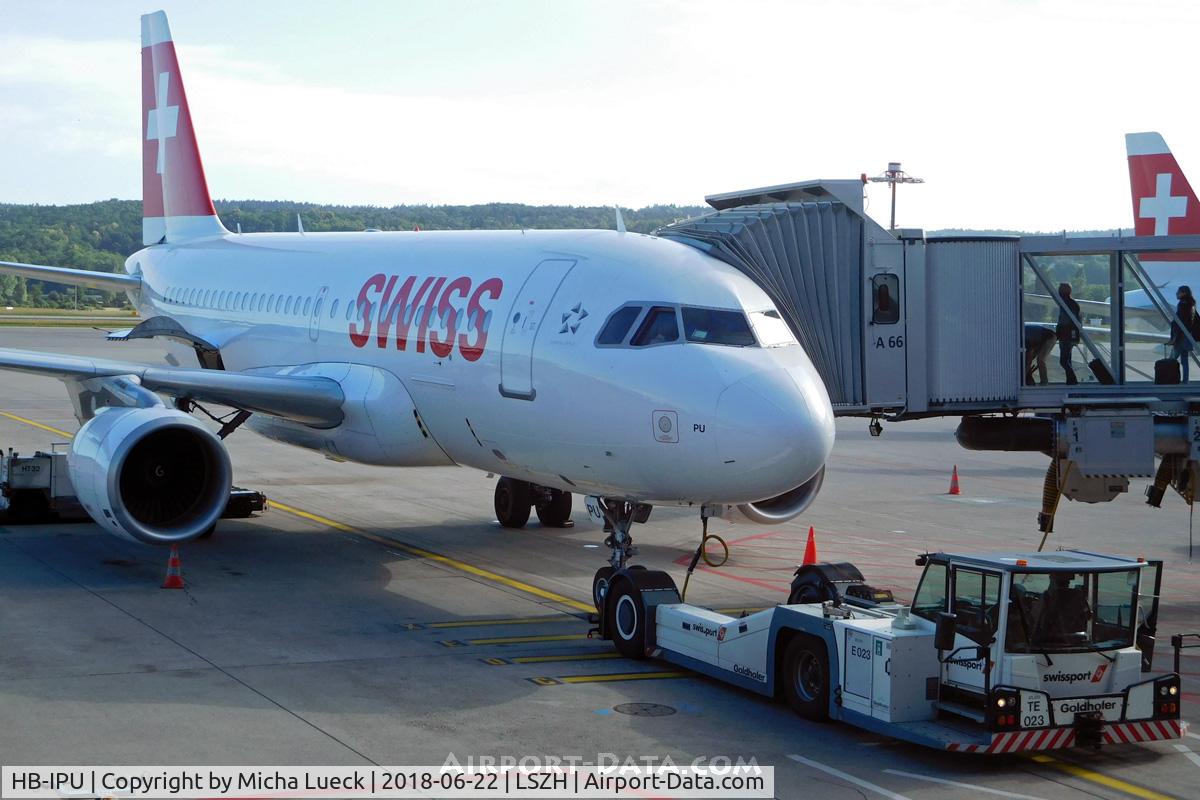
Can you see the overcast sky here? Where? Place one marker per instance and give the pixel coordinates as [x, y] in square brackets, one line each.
[1013, 112]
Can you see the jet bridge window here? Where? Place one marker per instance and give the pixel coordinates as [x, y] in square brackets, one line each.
[660, 327]
[885, 299]
[715, 326]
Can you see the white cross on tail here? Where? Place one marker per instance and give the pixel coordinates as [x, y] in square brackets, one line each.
[1163, 207]
[162, 121]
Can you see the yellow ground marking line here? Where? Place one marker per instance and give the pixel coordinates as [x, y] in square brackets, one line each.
[574, 657]
[462, 566]
[49, 428]
[429, 555]
[1100, 778]
[623, 676]
[484, 623]
[559, 637]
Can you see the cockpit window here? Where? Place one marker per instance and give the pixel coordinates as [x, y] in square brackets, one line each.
[771, 329]
[618, 325]
[659, 327]
[713, 326]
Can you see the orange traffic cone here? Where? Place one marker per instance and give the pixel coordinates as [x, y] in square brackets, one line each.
[954, 482]
[810, 549]
[174, 575]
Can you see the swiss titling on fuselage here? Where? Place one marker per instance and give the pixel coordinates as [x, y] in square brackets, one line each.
[381, 302]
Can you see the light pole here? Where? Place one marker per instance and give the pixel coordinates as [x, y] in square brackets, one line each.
[892, 176]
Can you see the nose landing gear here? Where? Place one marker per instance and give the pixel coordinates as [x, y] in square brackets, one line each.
[619, 516]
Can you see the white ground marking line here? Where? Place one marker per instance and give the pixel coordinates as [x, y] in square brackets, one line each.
[837, 773]
[1188, 754]
[1193, 735]
[972, 786]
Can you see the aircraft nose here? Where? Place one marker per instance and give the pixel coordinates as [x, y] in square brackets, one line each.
[776, 424]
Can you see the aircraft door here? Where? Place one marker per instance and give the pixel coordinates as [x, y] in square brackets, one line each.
[522, 324]
[314, 321]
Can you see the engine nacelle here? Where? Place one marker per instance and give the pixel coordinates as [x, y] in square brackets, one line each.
[775, 510]
[150, 475]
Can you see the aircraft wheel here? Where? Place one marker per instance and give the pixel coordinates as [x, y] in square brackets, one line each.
[512, 502]
[627, 619]
[600, 585]
[208, 532]
[555, 512]
[806, 678]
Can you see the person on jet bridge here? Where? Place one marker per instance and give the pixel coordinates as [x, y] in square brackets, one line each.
[1039, 341]
[1181, 345]
[1067, 332]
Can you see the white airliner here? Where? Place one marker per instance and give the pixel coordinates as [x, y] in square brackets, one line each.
[625, 367]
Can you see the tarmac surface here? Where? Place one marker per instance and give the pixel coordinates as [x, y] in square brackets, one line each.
[383, 616]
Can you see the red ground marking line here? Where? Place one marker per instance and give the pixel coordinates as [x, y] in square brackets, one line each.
[764, 535]
[751, 581]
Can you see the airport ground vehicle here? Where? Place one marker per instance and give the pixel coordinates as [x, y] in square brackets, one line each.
[38, 488]
[999, 652]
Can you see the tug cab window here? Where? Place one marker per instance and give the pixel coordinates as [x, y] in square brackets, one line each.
[931, 594]
[659, 327]
[885, 299]
[618, 325]
[714, 326]
[976, 604]
[1071, 612]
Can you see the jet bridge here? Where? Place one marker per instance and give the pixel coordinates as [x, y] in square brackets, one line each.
[904, 326]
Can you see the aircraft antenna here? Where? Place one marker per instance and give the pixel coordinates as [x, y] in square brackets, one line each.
[299, 224]
[892, 176]
[620, 220]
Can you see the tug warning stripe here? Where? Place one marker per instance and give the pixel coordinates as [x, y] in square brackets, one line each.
[1057, 738]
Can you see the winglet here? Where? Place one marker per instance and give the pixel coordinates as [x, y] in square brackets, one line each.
[176, 205]
[620, 220]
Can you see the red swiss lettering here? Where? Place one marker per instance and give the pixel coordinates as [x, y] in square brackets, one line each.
[442, 347]
[475, 314]
[359, 337]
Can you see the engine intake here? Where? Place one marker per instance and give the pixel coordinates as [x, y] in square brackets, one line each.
[780, 508]
[150, 475]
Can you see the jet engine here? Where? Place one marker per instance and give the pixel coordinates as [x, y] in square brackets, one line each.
[780, 508]
[151, 475]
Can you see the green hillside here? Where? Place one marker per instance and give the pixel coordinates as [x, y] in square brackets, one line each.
[100, 235]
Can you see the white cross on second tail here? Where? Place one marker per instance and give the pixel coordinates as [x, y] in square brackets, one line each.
[162, 120]
[1163, 206]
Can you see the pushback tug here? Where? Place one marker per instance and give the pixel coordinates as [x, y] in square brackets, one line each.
[998, 653]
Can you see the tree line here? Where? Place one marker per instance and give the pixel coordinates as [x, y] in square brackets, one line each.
[101, 235]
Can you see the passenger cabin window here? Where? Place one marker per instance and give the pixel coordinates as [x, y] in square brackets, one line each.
[714, 326]
[885, 302]
[976, 604]
[931, 594]
[618, 325]
[659, 327]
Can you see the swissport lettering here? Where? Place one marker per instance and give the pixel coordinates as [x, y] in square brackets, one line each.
[386, 305]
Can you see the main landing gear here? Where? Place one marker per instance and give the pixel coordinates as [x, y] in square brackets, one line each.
[515, 500]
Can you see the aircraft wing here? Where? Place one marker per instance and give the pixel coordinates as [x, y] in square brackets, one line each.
[110, 281]
[309, 400]
[1096, 308]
